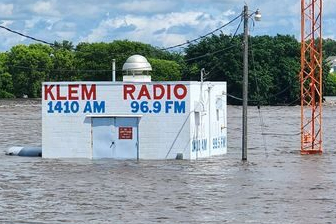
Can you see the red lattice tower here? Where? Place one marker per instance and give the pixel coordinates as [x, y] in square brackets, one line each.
[311, 76]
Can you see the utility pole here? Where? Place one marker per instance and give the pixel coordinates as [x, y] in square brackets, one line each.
[245, 84]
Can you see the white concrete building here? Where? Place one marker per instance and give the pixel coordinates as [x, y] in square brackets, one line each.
[133, 120]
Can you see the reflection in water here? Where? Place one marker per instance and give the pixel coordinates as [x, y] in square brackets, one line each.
[276, 185]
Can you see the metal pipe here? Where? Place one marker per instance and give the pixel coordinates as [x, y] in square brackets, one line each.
[113, 70]
[245, 84]
[209, 116]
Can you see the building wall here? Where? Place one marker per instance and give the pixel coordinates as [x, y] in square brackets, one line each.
[165, 128]
[208, 127]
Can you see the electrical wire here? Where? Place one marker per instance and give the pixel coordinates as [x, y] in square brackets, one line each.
[282, 91]
[286, 105]
[163, 49]
[202, 37]
[210, 54]
[46, 42]
[241, 20]
[234, 97]
[262, 123]
[215, 52]
[261, 119]
[218, 51]
[27, 36]
[65, 70]
[281, 134]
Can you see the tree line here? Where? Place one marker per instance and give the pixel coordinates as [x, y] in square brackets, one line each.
[274, 65]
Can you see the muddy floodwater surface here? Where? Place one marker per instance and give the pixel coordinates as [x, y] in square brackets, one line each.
[276, 185]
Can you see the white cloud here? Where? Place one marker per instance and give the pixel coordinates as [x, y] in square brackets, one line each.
[66, 35]
[329, 7]
[155, 29]
[229, 13]
[42, 23]
[45, 8]
[82, 9]
[6, 23]
[6, 9]
[157, 22]
[62, 25]
[328, 28]
[29, 24]
[148, 6]
[9, 39]
[42, 7]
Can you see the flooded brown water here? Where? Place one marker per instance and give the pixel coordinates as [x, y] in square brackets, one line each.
[276, 185]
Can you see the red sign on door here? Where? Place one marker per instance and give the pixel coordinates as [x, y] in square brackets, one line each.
[125, 133]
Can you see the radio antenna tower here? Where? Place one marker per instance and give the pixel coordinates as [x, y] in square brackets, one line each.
[311, 76]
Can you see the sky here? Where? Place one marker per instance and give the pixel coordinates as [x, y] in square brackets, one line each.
[161, 23]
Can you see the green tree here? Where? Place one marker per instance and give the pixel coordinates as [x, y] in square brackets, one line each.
[221, 56]
[329, 47]
[330, 85]
[64, 65]
[274, 64]
[6, 85]
[29, 66]
[329, 80]
[64, 45]
[164, 70]
[95, 59]
[283, 61]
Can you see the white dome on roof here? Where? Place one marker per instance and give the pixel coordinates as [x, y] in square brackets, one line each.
[137, 63]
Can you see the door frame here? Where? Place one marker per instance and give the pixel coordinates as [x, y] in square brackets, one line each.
[138, 117]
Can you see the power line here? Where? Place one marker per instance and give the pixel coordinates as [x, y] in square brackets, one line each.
[60, 70]
[234, 97]
[218, 51]
[65, 70]
[240, 99]
[167, 48]
[241, 20]
[261, 118]
[210, 54]
[24, 35]
[202, 37]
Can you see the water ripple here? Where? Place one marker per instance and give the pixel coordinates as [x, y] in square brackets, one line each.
[282, 187]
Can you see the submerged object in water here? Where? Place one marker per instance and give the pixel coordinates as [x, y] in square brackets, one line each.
[25, 151]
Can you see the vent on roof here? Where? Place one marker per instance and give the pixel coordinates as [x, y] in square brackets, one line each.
[136, 69]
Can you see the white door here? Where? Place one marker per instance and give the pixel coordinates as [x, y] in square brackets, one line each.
[127, 138]
[115, 137]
